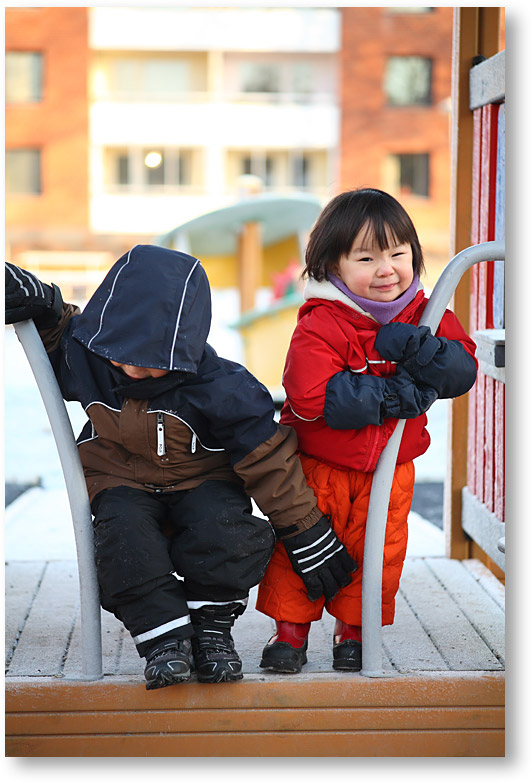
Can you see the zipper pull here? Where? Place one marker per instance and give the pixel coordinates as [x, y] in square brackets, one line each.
[193, 443]
[161, 446]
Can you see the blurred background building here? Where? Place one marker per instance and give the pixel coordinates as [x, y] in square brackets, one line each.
[124, 122]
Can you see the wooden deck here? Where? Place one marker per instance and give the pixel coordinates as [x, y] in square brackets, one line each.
[443, 694]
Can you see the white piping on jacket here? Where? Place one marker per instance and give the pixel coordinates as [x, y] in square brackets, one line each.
[110, 297]
[179, 313]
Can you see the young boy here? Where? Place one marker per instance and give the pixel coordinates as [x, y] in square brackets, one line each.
[177, 441]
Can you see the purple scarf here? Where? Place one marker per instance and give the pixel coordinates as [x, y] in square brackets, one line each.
[382, 311]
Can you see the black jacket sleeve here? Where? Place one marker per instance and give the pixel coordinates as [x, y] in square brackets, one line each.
[354, 401]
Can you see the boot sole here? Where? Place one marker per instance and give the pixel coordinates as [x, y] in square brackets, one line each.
[283, 658]
[159, 683]
[347, 656]
[223, 675]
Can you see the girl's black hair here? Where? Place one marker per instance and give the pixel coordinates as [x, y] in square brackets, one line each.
[342, 220]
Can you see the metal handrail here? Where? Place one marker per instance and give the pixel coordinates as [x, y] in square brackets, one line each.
[379, 497]
[383, 476]
[91, 635]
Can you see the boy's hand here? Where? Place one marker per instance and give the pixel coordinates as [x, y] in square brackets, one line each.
[27, 297]
[320, 560]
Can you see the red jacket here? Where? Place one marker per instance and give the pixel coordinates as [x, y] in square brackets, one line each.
[335, 336]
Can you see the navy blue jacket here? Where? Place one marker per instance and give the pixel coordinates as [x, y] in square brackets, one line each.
[208, 418]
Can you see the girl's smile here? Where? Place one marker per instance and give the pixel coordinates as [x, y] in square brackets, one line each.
[373, 273]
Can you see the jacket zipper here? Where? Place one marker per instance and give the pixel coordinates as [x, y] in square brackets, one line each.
[161, 445]
[193, 443]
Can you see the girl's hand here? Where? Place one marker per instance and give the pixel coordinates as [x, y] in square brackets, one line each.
[402, 341]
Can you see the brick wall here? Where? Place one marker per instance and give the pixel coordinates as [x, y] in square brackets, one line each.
[371, 130]
[58, 125]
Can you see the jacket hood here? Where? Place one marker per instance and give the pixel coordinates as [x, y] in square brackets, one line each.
[153, 309]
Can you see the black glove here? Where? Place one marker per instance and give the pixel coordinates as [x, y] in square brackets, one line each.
[320, 560]
[404, 398]
[444, 364]
[27, 297]
[403, 342]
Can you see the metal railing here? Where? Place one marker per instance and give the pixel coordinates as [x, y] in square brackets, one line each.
[383, 476]
[91, 635]
[379, 497]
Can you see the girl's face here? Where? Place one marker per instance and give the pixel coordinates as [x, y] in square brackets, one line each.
[375, 274]
[139, 373]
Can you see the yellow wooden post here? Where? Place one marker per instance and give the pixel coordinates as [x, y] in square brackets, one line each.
[249, 264]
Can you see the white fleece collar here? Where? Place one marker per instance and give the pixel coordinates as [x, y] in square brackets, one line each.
[326, 290]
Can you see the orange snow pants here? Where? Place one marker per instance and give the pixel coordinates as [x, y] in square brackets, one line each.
[345, 497]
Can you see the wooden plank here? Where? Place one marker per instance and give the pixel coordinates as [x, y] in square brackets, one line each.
[483, 526]
[454, 743]
[487, 81]
[488, 186]
[111, 643]
[487, 580]
[500, 219]
[22, 581]
[483, 613]
[406, 643]
[476, 167]
[472, 437]
[489, 443]
[43, 644]
[116, 694]
[480, 429]
[444, 621]
[258, 719]
[499, 499]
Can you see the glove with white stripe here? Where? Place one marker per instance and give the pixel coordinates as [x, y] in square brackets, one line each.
[27, 297]
[320, 560]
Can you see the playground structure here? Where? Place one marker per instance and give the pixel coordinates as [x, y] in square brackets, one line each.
[450, 711]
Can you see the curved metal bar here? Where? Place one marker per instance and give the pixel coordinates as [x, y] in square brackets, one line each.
[383, 476]
[91, 637]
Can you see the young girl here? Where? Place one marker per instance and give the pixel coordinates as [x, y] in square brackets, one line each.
[357, 362]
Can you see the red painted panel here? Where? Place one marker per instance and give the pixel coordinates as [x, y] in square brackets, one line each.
[489, 444]
[499, 451]
[471, 440]
[488, 192]
[480, 435]
[475, 206]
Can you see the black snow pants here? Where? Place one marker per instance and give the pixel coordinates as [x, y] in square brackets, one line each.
[159, 555]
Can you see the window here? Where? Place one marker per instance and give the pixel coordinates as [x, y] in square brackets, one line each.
[23, 73]
[301, 168]
[407, 81]
[23, 171]
[261, 164]
[148, 168]
[412, 174]
[280, 169]
[260, 77]
[148, 78]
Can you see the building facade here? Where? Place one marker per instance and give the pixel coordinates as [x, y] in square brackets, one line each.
[395, 99]
[124, 122]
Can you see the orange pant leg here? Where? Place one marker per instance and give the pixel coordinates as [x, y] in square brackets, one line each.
[345, 497]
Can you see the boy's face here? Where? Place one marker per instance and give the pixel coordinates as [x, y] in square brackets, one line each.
[379, 275]
[139, 373]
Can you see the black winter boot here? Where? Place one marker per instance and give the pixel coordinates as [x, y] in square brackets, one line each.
[215, 656]
[168, 663]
